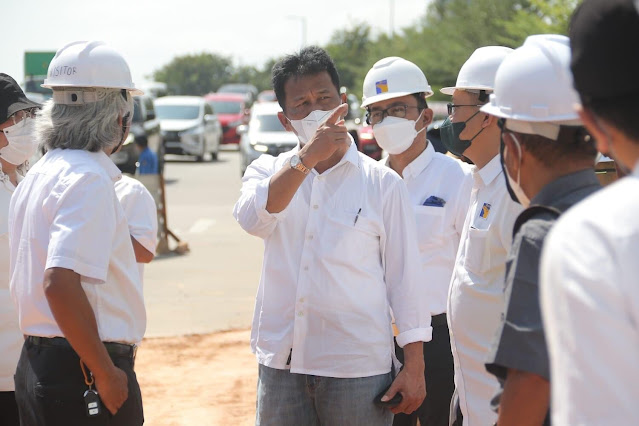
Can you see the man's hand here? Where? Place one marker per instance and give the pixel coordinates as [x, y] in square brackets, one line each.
[112, 388]
[329, 138]
[410, 381]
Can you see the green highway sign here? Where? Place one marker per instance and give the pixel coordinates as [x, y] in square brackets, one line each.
[37, 63]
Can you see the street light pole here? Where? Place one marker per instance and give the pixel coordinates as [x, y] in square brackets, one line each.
[302, 20]
[392, 17]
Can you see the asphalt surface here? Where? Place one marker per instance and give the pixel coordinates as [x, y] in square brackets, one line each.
[213, 287]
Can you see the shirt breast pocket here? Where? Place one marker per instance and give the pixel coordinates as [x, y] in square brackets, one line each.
[351, 236]
[430, 226]
[477, 255]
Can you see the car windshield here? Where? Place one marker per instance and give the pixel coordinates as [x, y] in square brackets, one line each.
[177, 112]
[226, 107]
[269, 123]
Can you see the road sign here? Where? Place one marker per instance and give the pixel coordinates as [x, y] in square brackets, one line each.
[37, 63]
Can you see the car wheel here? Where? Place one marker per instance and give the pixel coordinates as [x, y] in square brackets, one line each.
[200, 157]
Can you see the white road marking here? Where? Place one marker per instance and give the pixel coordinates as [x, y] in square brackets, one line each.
[201, 225]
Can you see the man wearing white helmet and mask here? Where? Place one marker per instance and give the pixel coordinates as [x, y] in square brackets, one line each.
[395, 92]
[589, 267]
[548, 158]
[475, 297]
[74, 276]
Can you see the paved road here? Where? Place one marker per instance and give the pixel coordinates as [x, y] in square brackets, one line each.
[213, 287]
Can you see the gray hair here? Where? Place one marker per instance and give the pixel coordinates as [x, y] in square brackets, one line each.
[91, 127]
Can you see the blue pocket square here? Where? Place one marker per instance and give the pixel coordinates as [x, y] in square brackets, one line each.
[433, 201]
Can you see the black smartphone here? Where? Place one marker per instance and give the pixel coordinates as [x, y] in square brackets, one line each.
[393, 402]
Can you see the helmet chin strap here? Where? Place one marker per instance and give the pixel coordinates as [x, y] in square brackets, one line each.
[124, 126]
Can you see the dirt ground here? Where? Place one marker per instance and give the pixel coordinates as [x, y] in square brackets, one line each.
[198, 380]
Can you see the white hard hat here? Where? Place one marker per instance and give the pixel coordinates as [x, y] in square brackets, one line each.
[478, 72]
[534, 86]
[393, 77]
[88, 64]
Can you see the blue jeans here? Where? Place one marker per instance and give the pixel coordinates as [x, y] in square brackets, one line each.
[285, 398]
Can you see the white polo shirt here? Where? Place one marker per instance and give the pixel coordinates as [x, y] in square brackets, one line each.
[342, 253]
[429, 177]
[65, 214]
[590, 307]
[11, 339]
[476, 300]
[141, 213]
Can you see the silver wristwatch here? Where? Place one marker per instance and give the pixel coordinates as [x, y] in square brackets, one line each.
[296, 163]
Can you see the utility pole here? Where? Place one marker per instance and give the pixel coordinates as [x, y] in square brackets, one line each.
[302, 20]
[391, 16]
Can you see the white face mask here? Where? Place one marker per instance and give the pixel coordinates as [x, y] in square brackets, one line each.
[22, 143]
[515, 185]
[306, 127]
[395, 135]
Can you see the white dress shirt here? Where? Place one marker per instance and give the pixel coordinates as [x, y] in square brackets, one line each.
[11, 339]
[65, 214]
[439, 228]
[141, 214]
[340, 255]
[476, 291]
[590, 307]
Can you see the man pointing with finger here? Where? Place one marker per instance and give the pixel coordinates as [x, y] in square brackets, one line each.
[340, 252]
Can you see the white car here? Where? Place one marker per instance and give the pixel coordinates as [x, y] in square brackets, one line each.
[264, 134]
[189, 126]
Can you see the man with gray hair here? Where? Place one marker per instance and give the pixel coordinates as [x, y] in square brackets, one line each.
[74, 276]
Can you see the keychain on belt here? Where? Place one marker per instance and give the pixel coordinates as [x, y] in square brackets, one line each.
[91, 398]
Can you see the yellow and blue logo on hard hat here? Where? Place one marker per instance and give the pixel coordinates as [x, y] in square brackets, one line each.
[485, 211]
[381, 86]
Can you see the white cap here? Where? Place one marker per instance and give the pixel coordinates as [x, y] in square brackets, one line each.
[393, 77]
[533, 87]
[89, 64]
[478, 72]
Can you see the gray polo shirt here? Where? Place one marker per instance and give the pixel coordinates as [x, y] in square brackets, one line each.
[520, 343]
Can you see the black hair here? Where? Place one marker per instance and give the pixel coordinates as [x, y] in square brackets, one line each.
[141, 140]
[421, 100]
[620, 112]
[308, 61]
[574, 143]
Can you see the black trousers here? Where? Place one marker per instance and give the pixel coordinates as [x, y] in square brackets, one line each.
[440, 382]
[8, 409]
[50, 390]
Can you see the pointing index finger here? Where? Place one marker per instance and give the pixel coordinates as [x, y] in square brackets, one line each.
[337, 114]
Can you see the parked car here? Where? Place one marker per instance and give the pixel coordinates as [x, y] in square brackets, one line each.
[264, 134]
[248, 90]
[267, 96]
[143, 123]
[232, 111]
[366, 142]
[189, 126]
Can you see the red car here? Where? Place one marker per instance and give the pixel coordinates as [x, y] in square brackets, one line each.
[366, 142]
[232, 111]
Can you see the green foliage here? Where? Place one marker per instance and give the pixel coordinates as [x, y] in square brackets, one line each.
[195, 74]
[439, 43]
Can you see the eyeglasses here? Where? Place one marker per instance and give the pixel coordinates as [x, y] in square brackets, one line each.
[399, 111]
[451, 107]
[19, 116]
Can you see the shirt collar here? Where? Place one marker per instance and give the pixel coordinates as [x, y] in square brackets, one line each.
[351, 155]
[420, 163]
[108, 165]
[490, 171]
[555, 191]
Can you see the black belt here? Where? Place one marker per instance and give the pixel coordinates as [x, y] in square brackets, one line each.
[438, 320]
[114, 349]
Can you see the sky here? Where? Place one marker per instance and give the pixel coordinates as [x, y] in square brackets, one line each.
[149, 34]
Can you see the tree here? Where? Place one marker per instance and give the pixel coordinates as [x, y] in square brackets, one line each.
[195, 74]
[349, 50]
